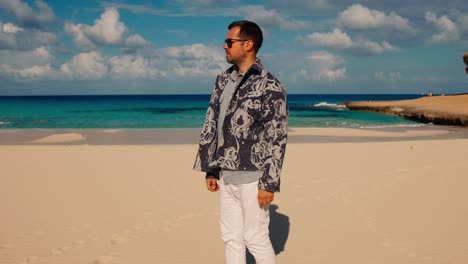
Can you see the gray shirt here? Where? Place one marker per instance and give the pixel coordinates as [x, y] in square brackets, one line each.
[232, 176]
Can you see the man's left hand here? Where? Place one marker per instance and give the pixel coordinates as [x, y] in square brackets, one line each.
[265, 197]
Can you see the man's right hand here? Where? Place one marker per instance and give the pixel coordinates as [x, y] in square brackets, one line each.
[212, 184]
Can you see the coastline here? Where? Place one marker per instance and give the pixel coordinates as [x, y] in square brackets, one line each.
[376, 195]
[176, 136]
[439, 110]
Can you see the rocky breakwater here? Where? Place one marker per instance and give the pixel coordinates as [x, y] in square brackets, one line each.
[439, 110]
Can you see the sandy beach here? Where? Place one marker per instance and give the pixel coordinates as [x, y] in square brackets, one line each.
[441, 110]
[365, 196]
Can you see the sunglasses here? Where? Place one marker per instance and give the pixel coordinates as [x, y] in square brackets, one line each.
[230, 41]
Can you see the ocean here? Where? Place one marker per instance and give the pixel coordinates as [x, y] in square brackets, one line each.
[178, 111]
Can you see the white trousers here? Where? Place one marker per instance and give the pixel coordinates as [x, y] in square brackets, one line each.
[244, 223]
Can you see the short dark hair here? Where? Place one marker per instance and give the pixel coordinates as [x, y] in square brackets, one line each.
[249, 30]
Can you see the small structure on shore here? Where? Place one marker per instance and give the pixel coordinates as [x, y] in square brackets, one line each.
[465, 59]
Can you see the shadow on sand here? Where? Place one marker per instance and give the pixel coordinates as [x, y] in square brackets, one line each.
[279, 232]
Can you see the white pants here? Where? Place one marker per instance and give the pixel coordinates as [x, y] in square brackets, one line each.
[244, 223]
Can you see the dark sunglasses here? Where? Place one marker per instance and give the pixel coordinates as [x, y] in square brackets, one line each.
[230, 41]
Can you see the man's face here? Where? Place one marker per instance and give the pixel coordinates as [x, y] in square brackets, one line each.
[236, 53]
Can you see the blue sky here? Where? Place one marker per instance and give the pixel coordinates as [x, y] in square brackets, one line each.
[175, 47]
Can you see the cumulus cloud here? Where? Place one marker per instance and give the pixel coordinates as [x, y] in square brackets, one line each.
[16, 61]
[341, 40]
[10, 28]
[14, 37]
[42, 52]
[133, 67]
[136, 41]
[33, 72]
[448, 30]
[107, 30]
[85, 66]
[323, 66]
[360, 17]
[26, 65]
[269, 18]
[172, 63]
[194, 60]
[336, 39]
[40, 17]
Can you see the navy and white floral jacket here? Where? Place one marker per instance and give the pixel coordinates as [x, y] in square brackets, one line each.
[254, 128]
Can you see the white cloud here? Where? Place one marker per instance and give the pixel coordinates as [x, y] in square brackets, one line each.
[86, 66]
[11, 28]
[388, 77]
[341, 40]
[26, 65]
[367, 47]
[33, 72]
[107, 30]
[269, 18]
[15, 61]
[448, 31]
[13, 37]
[194, 60]
[42, 52]
[360, 17]
[336, 39]
[79, 36]
[132, 67]
[42, 16]
[136, 41]
[137, 9]
[323, 66]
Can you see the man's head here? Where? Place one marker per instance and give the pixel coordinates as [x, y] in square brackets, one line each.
[249, 30]
[243, 41]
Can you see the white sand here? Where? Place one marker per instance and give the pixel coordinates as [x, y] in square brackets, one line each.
[376, 203]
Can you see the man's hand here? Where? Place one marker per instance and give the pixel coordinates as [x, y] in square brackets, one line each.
[212, 185]
[264, 197]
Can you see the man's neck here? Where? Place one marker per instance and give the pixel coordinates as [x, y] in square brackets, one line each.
[245, 65]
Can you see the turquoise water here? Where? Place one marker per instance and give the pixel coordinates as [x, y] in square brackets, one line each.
[175, 111]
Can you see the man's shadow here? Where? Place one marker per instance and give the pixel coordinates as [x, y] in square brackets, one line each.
[279, 232]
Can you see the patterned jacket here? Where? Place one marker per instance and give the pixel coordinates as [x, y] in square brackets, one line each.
[254, 129]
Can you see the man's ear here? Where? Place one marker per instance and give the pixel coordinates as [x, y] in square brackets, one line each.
[249, 45]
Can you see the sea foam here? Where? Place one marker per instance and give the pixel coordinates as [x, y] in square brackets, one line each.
[327, 106]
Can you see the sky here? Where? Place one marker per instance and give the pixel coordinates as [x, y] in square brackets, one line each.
[56, 47]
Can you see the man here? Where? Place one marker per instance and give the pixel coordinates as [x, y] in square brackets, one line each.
[242, 145]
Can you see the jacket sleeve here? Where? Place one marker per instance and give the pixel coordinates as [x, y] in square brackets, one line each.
[275, 118]
[208, 139]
